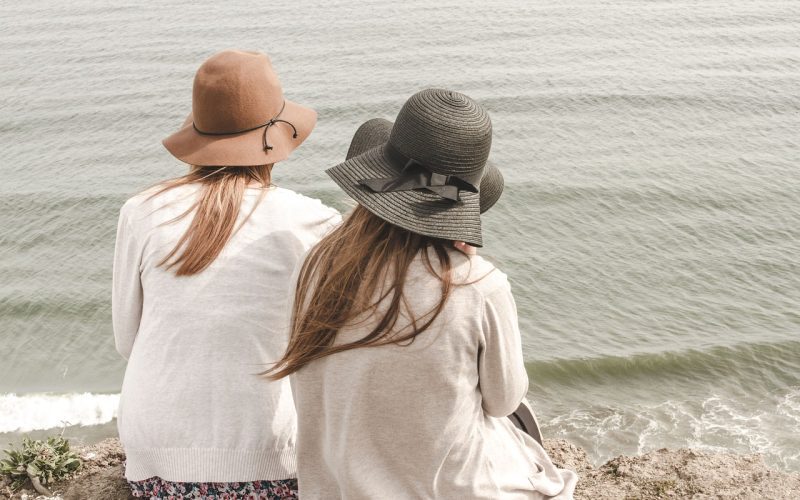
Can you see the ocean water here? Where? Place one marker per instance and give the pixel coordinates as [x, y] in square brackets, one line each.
[650, 225]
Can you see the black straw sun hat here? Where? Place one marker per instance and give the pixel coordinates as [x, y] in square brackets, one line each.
[492, 186]
[370, 134]
[375, 132]
[425, 178]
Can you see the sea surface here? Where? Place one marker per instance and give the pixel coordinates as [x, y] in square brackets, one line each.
[650, 224]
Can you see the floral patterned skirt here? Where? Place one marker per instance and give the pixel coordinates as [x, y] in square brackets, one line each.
[155, 487]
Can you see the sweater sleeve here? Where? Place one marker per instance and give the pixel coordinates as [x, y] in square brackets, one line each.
[126, 291]
[503, 379]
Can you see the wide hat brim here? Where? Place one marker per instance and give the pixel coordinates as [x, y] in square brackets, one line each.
[491, 187]
[376, 131]
[419, 211]
[243, 149]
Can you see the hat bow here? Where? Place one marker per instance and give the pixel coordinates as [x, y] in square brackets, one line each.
[416, 176]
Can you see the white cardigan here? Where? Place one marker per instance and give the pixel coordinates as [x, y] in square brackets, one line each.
[193, 408]
[428, 419]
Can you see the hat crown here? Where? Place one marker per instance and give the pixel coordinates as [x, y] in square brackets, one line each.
[444, 130]
[372, 133]
[234, 91]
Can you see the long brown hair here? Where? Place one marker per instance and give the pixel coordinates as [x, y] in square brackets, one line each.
[352, 271]
[216, 211]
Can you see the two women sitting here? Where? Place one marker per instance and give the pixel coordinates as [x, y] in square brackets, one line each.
[392, 351]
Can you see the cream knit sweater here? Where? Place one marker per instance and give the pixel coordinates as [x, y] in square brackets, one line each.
[193, 408]
[426, 420]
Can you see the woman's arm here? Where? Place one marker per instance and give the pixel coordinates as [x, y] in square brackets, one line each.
[126, 291]
[503, 379]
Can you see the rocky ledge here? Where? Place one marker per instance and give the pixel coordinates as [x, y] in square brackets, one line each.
[664, 473]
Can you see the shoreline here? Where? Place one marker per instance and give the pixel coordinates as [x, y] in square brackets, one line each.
[664, 473]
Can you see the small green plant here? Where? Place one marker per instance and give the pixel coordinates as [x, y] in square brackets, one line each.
[40, 461]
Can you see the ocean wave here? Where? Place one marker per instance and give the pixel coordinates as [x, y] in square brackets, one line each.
[582, 101]
[664, 195]
[711, 364]
[28, 412]
[717, 423]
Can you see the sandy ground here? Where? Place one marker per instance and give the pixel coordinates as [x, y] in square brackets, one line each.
[664, 473]
[682, 473]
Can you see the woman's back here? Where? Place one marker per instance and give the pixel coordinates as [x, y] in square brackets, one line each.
[193, 407]
[418, 420]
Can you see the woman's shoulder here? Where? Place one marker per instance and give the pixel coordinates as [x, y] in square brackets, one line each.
[303, 210]
[482, 276]
[135, 203]
[294, 199]
[157, 194]
[144, 204]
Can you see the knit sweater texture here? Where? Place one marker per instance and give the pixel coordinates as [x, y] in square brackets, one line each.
[193, 406]
[426, 419]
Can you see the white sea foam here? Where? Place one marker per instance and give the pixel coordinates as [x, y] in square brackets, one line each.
[30, 412]
[716, 424]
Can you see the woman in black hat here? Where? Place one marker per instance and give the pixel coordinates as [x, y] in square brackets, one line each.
[405, 353]
[375, 132]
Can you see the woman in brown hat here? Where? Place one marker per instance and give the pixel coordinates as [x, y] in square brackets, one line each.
[405, 353]
[201, 274]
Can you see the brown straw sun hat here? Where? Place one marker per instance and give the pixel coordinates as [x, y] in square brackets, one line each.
[425, 178]
[239, 115]
[375, 132]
